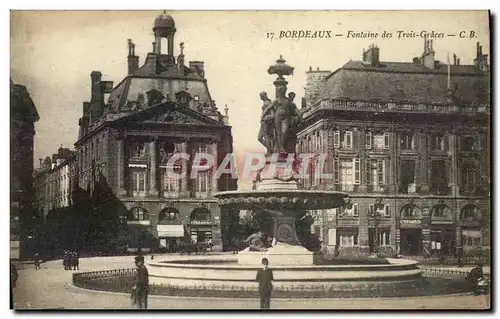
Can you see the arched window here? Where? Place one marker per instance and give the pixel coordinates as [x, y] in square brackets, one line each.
[409, 211]
[441, 211]
[201, 214]
[471, 212]
[139, 213]
[169, 214]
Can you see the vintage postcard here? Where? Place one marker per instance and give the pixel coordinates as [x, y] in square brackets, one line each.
[250, 160]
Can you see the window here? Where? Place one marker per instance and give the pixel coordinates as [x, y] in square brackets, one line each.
[169, 214]
[439, 177]
[379, 209]
[138, 181]
[440, 210]
[471, 213]
[471, 237]
[202, 184]
[201, 214]
[375, 174]
[137, 149]
[170, 183]
[348, 237]
[467, 143]
[409, 211]
[468, 178]
[350, 210]
[407, 184]
[437, 141]
[384, 237]
[347, 143]
[336, 139]
[407, 141]
[346, 172]
[368, 140]
[317, 230]
[139, 213]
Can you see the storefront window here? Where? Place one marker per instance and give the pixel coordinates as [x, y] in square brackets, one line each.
[348, 237]
[139, 214]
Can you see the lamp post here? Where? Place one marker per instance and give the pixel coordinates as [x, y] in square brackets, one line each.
[376, 221]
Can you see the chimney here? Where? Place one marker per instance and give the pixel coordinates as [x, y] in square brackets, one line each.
[96, 86]
[314, 83]
[198, 67]
[225, 118]
[371, 56]
[428, 55]
[454, 59]
[481, 60]
[41, 161]
[133, 60]
[458, 61]
[86, 108]
[180, 59]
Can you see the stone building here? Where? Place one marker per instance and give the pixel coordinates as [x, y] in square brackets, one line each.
[129, 131]
[23, 115]
[53, 181]
[410, 143]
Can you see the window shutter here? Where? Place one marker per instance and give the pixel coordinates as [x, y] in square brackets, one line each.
[336, 139]
[368, 168]
[387, 210]
[446, 139]
[386, 141]
[356, 171]
[368, 140]
[336, 175]
[348, 139]
[355, 209]
[412, 137]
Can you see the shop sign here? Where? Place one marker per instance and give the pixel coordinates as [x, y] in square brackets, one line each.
[410, 223]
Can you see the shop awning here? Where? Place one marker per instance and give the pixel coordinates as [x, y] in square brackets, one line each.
[170, 230]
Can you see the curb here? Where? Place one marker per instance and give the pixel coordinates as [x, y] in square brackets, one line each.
[71, 286]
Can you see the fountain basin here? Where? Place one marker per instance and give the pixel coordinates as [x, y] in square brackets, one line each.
[224, 273]
[281, 199]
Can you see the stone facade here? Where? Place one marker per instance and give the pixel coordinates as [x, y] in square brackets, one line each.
[158, 110]
[413, 159]
[23, 115]
[53, 181]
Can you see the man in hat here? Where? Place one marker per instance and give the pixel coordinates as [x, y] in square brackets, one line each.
[142, 283]
[265, 278]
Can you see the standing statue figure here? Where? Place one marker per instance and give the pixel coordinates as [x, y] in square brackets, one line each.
[266, 132]
[286, 119]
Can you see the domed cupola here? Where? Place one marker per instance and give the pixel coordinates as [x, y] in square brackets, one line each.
[164, 27]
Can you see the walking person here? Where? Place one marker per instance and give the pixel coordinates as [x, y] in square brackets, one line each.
[142, 283]
[37, 261]
[75, 259]
[265, 278]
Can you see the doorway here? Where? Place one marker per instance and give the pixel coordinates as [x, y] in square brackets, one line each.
[411, 242]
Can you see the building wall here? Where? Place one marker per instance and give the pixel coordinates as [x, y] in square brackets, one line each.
[388, 153]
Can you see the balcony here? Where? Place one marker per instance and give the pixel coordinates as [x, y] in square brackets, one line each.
[394, 107]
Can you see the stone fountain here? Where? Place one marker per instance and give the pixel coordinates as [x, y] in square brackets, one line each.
[277, 192]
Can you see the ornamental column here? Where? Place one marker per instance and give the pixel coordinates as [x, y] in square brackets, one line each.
[424, 163]
[185, 169]
[120, 165]
[153, 189]
[453, 164]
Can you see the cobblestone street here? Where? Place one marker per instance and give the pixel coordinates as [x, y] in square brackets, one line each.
[51, 288]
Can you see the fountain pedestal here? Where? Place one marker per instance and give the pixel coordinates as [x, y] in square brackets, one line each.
[287, 248]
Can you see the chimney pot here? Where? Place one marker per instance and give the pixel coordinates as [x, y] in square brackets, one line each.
[317, 69]
[454, 59]
[310, 68]
[458, 61]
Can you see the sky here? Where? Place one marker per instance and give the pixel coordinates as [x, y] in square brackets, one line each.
[54, 52]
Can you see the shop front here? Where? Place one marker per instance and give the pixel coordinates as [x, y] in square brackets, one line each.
[170, 230]
[201, 226]
[410, 236]
[442, 231]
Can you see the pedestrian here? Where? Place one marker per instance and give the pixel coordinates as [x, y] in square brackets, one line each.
[474, 277]
[37, 261]
[142, 283]
[75, 260]
[265, 278]
[13, 275]
[65, 260]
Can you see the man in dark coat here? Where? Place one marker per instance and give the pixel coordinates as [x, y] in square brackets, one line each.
[142, 283]
[474, 276]
[265, 278]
